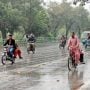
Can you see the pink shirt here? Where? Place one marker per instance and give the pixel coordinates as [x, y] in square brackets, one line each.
[74, 45]
[73, 42]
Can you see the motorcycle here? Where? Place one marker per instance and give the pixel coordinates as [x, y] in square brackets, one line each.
[6, 56]
[62, 44]
[30, 47]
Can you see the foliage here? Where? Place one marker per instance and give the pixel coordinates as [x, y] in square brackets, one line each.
[28, 16]
[26, 13]
[64, 15]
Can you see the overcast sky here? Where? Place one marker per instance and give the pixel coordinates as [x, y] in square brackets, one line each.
[87, 6]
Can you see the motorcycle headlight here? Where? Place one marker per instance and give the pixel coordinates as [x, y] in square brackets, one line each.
[2, 54]
[4, 49]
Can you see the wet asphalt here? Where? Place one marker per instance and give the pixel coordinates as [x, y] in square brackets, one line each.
[45, 70]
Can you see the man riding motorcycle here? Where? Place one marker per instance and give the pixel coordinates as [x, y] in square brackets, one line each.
[62, 41]
[31, 42]
[11, 46]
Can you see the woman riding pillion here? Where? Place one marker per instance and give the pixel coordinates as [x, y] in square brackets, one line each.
[18, 52]
[74, 47]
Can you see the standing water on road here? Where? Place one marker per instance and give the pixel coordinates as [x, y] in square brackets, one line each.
[45, 70]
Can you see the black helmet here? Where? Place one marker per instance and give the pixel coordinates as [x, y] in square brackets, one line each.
[10, 35]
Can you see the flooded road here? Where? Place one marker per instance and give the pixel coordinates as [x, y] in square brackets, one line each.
[45, 70]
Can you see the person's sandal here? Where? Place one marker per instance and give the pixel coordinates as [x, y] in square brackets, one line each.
[20, 57]
[82, 62]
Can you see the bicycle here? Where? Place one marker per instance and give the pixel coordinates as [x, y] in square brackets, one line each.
[71, 62]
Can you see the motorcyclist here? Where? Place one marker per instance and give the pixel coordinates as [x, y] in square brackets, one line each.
[11, 43]
[88, 36]
[87, 41]
[62, 41]
[31, 39]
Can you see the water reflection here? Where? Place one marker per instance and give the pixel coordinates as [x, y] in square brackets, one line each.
[75, 79]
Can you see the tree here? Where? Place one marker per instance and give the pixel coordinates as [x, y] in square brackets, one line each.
[37, 18]
[82, 2]
[60, 17]
[64, 15]
[10, 18]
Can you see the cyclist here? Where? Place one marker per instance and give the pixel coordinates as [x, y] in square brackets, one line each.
[74, 47]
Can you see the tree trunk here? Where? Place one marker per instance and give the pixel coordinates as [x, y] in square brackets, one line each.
[3, 34]
[67, 30]
[79, 33]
